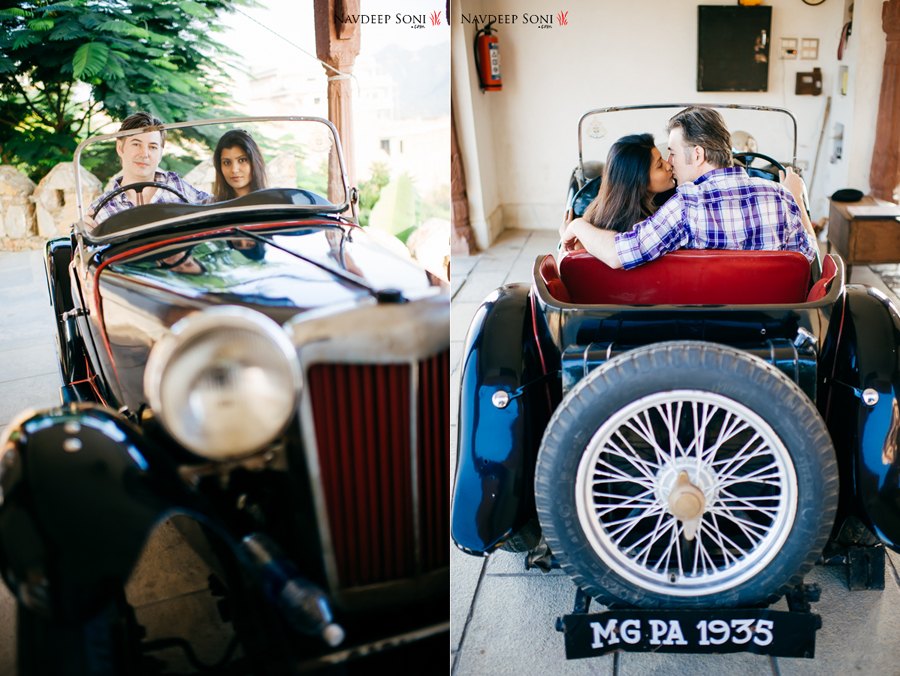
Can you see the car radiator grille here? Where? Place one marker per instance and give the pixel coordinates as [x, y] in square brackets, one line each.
[388, 508]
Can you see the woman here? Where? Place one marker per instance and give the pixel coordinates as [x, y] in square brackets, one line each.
[635, 173]
[240, 167]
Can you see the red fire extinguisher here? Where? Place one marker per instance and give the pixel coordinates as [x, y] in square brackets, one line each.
[487, 60]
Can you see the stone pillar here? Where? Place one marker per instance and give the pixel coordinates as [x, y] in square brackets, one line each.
[884, 175]
[54, 198]
[337, 44]
[462, 239]
[16, 205]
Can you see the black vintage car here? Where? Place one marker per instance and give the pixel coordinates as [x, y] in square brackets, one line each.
[282, 399]
[686, 438]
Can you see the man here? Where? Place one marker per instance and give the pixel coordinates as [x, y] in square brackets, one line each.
[140, 155]
[716, 205]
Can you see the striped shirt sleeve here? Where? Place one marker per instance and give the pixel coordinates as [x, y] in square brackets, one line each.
[664, 231]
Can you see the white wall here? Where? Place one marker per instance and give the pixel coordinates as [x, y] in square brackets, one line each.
[617, 52]
[857, 110]
[474, 127]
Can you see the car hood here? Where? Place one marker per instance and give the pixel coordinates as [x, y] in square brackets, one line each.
[297, 269]
[285, 275]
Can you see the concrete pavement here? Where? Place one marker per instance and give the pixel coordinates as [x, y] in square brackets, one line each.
[29, 377]
[502, 616]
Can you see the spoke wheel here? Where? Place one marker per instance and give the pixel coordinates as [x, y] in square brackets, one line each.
[686, 474]
[744, 495]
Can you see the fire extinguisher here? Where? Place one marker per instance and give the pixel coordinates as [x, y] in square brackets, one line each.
[487, 60]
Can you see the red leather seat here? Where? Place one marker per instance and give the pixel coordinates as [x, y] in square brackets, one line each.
[688, 277]
[550, 274]
[820, 288]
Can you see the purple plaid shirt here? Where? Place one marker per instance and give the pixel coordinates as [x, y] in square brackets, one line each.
[723, 209]
[121, 202]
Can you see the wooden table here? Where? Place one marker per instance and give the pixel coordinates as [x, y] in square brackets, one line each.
[863, 239]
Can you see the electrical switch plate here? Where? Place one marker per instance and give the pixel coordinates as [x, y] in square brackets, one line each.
[788, 48]
[809, 48]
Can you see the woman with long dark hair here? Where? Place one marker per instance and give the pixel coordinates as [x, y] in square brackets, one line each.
[240, 167]
[635, 173]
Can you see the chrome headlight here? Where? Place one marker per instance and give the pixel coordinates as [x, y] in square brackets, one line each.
[224, 381]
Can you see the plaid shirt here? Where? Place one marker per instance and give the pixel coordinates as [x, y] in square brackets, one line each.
[723, 209]
[121, 202]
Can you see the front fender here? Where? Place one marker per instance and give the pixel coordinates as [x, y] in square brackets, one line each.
[498, 444]
[863, 411]
[81, 491]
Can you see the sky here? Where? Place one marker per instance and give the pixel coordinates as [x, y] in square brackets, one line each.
[262, 36]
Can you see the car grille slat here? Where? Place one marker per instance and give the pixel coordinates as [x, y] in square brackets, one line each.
[363, 429]
[434, 455]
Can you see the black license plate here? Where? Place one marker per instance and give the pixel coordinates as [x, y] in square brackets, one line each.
[761, 631]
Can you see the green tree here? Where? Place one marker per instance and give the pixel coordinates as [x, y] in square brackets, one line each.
[370, 190]
[63, 63]
[395, 212]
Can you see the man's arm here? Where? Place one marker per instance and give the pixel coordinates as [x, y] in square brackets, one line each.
[796, 187]
[598, 242]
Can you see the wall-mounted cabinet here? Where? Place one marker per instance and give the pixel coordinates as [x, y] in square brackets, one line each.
[733, 49]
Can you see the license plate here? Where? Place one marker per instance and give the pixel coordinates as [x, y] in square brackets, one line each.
[760, 631]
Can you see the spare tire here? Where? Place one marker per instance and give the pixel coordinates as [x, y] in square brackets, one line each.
[686, 475]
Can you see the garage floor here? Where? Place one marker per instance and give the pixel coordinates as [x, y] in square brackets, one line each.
[502, 616]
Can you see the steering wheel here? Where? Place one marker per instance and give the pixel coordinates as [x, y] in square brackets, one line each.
[137, 186]
[585, 195]
[746, 158]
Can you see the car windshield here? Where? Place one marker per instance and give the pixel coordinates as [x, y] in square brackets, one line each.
[143, 178]
[770, 131]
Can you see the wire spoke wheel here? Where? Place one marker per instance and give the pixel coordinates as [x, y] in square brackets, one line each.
[686, 474]
[628, 475]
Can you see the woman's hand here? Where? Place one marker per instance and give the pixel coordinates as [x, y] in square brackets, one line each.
[569, 239]
[581, 234]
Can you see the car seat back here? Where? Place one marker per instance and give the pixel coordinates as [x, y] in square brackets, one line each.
[686, 277]
[823, 285]
[550, 274]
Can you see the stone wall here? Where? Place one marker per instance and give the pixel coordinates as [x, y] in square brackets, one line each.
[54, 198]
[16, 206]
[31, 214]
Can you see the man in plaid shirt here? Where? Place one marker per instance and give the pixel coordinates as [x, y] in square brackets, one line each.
[716, 205]
[140, 155]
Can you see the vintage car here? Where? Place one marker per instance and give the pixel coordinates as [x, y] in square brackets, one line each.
[283, 400]
[685, 439]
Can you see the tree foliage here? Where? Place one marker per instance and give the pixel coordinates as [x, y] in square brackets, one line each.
[66, 66]
[395, 211]
[370, 190]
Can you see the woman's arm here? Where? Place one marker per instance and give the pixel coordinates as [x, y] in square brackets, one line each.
[598, 242]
